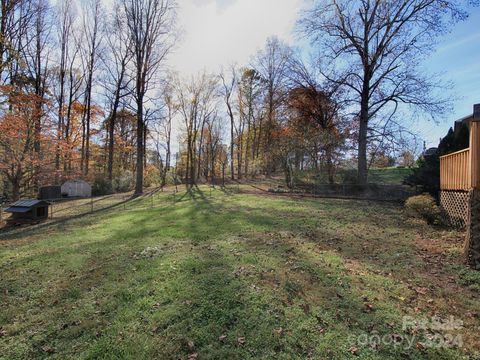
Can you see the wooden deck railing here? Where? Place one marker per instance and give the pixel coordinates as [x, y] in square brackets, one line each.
[456, 171]
[461, 170]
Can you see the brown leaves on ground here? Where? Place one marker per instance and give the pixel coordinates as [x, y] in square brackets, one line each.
[278, 331]
[353, 350]
[191, 347]
[48, 349]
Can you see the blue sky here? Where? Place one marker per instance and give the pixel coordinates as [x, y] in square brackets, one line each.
[220, 32]
[458, 59]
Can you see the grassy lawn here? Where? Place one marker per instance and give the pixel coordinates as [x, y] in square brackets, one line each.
[386, 176]
[389, 176]
[226, 275]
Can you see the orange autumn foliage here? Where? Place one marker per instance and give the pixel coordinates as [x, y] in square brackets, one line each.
[26, 140]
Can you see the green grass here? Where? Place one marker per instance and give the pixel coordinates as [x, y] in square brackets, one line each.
[389, 176]
[227, 275]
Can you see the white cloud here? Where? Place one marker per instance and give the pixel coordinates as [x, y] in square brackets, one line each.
[219, 32]
[459, 42]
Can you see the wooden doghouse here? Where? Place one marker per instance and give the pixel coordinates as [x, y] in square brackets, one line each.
[28, 211]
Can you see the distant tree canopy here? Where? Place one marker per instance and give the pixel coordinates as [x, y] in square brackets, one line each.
[85, 93]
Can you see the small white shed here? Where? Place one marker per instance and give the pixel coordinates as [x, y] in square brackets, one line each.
[76, 188]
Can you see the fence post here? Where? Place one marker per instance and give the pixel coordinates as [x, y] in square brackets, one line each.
[475, 153]
[91, 205]
[51, 212]
[472, 243]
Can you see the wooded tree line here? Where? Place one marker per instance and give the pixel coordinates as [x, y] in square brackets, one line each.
[85, 92]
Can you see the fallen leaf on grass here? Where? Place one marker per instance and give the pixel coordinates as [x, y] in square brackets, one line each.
[306, 308]
[420, 346]
[353, 350]
[48, 349]
[420, 290]
[190, 345]
[222, 338]
[278, 331]
[193, 356]
[241, 341]
[369, 308]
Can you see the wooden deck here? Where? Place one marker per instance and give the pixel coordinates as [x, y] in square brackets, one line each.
[461, 170]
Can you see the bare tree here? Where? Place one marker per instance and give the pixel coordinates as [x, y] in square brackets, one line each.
[272, 65]
[251, 108]
[65, 24]
[374, 48]
[197, 105]
[36, 55]
[91, 29]
[15, 22]
[115, 63]
[163, 130]
[229, 83]
[151, 31]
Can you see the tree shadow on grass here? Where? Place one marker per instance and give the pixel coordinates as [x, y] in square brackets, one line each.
[206, 296]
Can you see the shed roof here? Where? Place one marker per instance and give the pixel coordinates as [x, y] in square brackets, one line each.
[23, 206]
[29, 203]
[18, 209]
[80, 181]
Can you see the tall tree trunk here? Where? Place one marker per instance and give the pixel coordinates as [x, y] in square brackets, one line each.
[111, 141]
[15, 190]
[87, 132]
[232, 142]
[144, 145]
[239, 156]
[140, 149]
[330, 168]
[363, 134]
[59, 126]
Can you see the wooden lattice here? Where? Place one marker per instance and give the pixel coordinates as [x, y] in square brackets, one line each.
[456, 205]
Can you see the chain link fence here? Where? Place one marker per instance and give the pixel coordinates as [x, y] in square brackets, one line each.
[63, 209]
